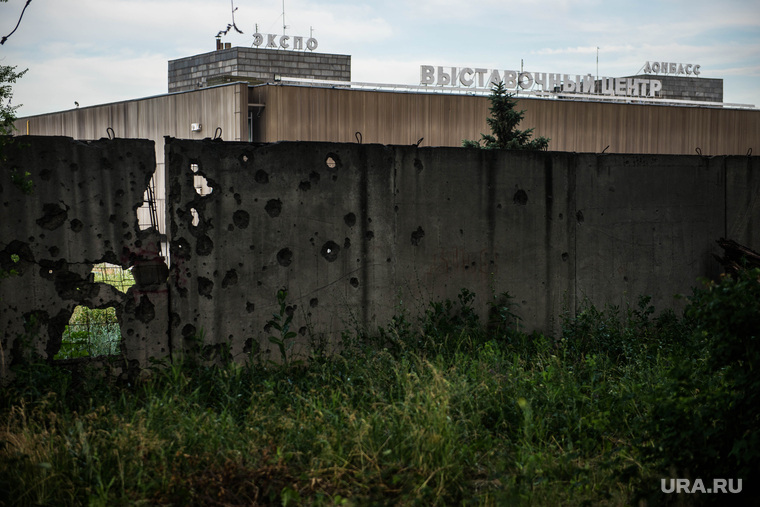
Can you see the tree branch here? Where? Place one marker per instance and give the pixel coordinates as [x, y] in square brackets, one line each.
[5, 38]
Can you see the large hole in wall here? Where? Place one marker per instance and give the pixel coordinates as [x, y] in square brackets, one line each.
[199, 182]
[95, 332]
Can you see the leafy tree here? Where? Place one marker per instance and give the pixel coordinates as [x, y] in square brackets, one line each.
[503, 123]
[8, 76]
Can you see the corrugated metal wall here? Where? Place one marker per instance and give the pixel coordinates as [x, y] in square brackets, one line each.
[323, 114]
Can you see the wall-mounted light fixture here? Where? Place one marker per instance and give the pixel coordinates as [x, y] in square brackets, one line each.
[195, 127]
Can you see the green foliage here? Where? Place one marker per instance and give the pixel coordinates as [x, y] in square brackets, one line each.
[438, 410]
[706, 422]
[22, 181]
[503, 123]
[89, 333]
[8, 76]
[280, 322]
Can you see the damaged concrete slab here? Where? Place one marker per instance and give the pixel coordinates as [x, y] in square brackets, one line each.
[67, 205]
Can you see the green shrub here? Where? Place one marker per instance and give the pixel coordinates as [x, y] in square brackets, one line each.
[705, 418]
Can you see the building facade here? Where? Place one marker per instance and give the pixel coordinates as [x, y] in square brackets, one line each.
[278, 95]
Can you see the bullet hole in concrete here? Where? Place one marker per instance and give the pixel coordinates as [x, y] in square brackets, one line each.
[261, 177]
[53, 216]
[302, 330]
[180, 248]
[196, 218]
[252, 247]
[304, 186]
[565, 256]
[311, 240]
[53, 251]
[498, 206]
[230, 279]
[238, 199]
[76, 225]
[354, 282]
[145, 311]
[417, 236]
[350, 219]
[120, 194]
[625, 278]
[285, 257]
[330, 251]
[128, 236]
[369, 220]
[314, 177]
[369, 235]
[205, 287]
[579, 217]
[273, 207]
[395, 208]
[332, 161]
[241, 219]
[263, 268]
[112, 219]
[335, 177]
[314, 302]
[73, 166]
[346, 243]
[388, 259]
[124, 225]
[204, 246]
[249, 307]
[418, 165]
[561, 216]
[290, 310]
[188, 331]
[520, 198]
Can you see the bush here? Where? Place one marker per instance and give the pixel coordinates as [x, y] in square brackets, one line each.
[705, 419]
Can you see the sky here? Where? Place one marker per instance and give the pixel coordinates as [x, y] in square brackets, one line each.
[100, 51]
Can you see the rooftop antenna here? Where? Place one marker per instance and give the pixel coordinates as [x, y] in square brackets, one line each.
[284, 26]
[597, 63]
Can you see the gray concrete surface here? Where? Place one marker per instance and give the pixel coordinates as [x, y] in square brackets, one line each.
[81, 211]
[355, 233]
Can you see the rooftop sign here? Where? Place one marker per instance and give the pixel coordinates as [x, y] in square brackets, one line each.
[671, 68]
[538, 82]
[275, 41]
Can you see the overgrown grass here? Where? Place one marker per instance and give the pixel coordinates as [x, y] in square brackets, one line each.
[445, 410]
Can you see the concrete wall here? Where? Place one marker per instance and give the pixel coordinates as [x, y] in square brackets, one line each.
[399, 225]
[259, 65]
[152, 118]
[81, 211]
[356, 233]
